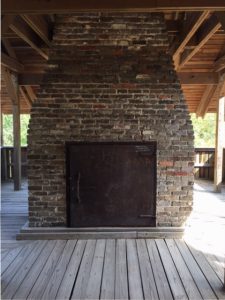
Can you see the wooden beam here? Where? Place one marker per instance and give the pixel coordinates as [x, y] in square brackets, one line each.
[220, 129]
[70, 6]
[190, 26]
[16, 147]
[11, 63]
[193, 78]
[206, 32]
[205, 100]
[26, 33]
[39, 25]
[26, 97]
[30, 93]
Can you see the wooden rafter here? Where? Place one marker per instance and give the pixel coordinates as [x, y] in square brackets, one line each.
[219, 64]
[30, 93]
[207, 31]
[70, 6]
[39, 25]
[25, 96]
[205, 100]
[11, 63]
[27, 34]
[190, 26]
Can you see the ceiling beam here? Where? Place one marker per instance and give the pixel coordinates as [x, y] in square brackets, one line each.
[203, 35]
[205, 100]
[190, 26]
[26, 33]
[39, 25]
[11, 63]
[70, 6]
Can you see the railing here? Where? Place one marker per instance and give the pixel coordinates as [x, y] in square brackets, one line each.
[7, 163]
[204, 163]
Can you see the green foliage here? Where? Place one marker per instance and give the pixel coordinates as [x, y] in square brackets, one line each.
[204, 130]
[8, 129]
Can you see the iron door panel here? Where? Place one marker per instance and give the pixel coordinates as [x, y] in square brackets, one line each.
[111, 184]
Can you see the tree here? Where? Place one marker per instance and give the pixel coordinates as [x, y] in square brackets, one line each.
[8, 129]
[204, 130]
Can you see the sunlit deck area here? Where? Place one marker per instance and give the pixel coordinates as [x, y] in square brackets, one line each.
[192, 268]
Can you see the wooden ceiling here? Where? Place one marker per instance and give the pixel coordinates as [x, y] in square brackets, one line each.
[196, 33]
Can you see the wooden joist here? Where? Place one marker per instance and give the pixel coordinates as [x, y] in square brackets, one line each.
[27, 34]
[39, 25]
[207, 31]
[205, 100]
[25, 96]
[70, 6]
[11, 63]
[219, 64]
[190, 26]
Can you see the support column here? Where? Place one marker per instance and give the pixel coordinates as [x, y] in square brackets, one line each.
[220, 133]
[11, 82]
[16, 148]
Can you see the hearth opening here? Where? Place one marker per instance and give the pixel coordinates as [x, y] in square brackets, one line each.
[111, 184]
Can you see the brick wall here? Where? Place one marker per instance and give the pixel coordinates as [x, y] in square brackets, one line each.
[110, 78]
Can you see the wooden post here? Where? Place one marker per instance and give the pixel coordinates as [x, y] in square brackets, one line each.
[11, 82]
[17, 148]
[220, 133]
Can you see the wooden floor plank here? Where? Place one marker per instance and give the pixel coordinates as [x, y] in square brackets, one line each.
[94, 283]
[121, 286]
[134, 277]
[33, 274]
[148, 281]
[8, 259]
[171, 272]
[24, 269]
[14, 267]
[84, 271]
[187, 280]
[57, 276]
[209, 273]
[199, 278]
[108, 277]
[68, 280]
[42, 281]
[217, 265]
[162, 284]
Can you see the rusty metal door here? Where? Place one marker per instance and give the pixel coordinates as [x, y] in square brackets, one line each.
[111, 184]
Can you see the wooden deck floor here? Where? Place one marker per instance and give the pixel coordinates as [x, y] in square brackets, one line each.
[105, 269]
[109, 269]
